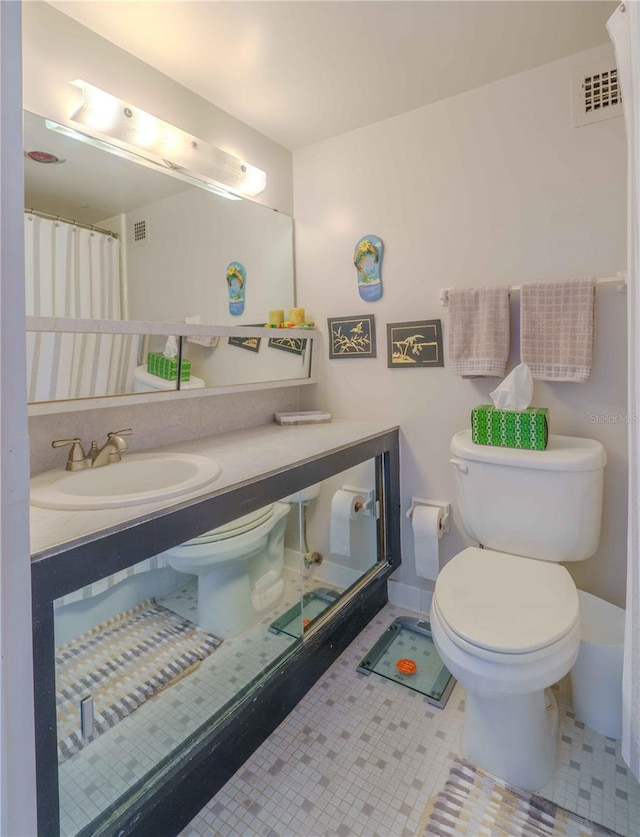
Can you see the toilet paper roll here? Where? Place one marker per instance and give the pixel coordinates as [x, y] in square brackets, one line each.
[343, 512]
[426, 540]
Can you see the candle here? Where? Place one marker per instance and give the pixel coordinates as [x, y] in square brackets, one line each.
[296, 315]
[276, 317]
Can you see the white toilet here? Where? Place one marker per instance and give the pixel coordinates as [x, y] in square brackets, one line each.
[239, 568]
[505, 618]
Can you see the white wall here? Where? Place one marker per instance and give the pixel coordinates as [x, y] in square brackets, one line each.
[193, 236]
[17, 760]
[57, 50]
[490, 187]
[181, 272]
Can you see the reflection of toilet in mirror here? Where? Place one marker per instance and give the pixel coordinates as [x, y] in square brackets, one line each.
[144, 381]
[239, 566]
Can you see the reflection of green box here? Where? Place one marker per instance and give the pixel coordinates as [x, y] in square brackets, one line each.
[526, 429]
[167, 367]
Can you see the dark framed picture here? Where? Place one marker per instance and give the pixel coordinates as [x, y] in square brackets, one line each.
[352, 336]
[418, 343]
[252, 344]
[295, 345]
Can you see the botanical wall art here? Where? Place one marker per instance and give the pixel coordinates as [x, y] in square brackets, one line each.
[252, 344]
[352, 336]
[418, 343]
[295, 345]
[367, 258]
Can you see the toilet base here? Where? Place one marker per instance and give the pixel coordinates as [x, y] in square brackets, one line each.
[513, 737]
[224, 601]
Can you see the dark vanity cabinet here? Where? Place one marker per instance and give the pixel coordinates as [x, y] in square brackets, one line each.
[145, 760]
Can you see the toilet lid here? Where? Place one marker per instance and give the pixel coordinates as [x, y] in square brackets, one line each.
[236, 527]
[506, 603]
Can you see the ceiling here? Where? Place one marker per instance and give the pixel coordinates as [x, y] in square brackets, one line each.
[300, 72]
[90, 185]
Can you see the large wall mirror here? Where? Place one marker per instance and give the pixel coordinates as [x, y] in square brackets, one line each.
[159, 250]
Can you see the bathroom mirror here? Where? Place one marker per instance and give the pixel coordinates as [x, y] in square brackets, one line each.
[159, 251]
[78, 362]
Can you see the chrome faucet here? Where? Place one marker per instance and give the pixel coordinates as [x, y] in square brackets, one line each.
[111, 451]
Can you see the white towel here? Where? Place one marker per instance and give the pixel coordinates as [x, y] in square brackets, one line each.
[478, 338]
[556, 329]
[207, 342]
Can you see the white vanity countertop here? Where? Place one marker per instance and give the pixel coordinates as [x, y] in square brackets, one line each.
[244, 456]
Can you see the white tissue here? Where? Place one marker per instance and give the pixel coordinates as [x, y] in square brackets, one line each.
[171, 347]
[343, 511]
[516, 391]
[427, 532]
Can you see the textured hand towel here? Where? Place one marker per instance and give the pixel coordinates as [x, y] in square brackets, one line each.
[479, 331]
[556, 329]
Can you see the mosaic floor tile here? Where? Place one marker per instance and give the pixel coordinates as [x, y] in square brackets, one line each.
[360, 755]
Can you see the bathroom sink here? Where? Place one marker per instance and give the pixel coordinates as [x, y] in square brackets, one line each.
[138, 478]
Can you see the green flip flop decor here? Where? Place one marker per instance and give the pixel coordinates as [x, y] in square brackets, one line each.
[367, 258]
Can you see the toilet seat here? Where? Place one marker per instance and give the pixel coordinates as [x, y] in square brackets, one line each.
[492, 603]
[236, 527]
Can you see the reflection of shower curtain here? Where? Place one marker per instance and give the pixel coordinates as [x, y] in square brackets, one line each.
[74, 272]
[624, 29]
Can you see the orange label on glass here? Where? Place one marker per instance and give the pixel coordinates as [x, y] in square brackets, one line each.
[406, 666]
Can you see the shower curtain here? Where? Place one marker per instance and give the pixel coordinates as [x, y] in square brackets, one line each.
[624, 29]
[74, 272]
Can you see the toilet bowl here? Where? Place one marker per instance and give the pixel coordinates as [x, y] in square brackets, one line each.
[505, 617]
[507, 627]
[239, 568]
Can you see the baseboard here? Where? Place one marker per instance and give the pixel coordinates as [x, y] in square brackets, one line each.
[409, 598]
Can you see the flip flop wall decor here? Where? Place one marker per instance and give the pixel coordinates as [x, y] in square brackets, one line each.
[237, 281]
[367, 258]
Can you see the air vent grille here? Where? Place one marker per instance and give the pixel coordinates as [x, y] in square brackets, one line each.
[601, 90]
[140, 231]
[596, 94]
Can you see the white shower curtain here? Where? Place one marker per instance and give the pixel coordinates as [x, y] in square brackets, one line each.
[624, 29]
[74, 272]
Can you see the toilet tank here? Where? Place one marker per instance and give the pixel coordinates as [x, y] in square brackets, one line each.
[538, 504]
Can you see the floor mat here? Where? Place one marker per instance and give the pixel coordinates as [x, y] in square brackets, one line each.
[120, 664]
[474, 803]
[405, 653]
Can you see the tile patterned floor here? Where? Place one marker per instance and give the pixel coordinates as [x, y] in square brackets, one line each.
[361, 755]
[107, 768]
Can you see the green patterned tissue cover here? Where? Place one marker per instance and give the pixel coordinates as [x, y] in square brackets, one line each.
[526, 429]
[167, 367]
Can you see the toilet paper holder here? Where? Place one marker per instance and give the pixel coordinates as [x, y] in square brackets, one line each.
[370, 507]
[446, 510]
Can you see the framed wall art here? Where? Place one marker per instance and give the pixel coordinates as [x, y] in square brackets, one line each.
[414, 344]
[352, 337]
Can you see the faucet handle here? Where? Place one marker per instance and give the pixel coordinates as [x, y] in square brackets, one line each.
[76, 454]
[126, 432]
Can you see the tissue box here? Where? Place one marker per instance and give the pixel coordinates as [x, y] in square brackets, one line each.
[526, 429]
[167, 367]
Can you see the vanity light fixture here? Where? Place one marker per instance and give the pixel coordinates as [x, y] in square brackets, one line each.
[110, 123]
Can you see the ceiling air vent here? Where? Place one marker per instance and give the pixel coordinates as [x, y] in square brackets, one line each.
[596, 94]
[140, 232]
